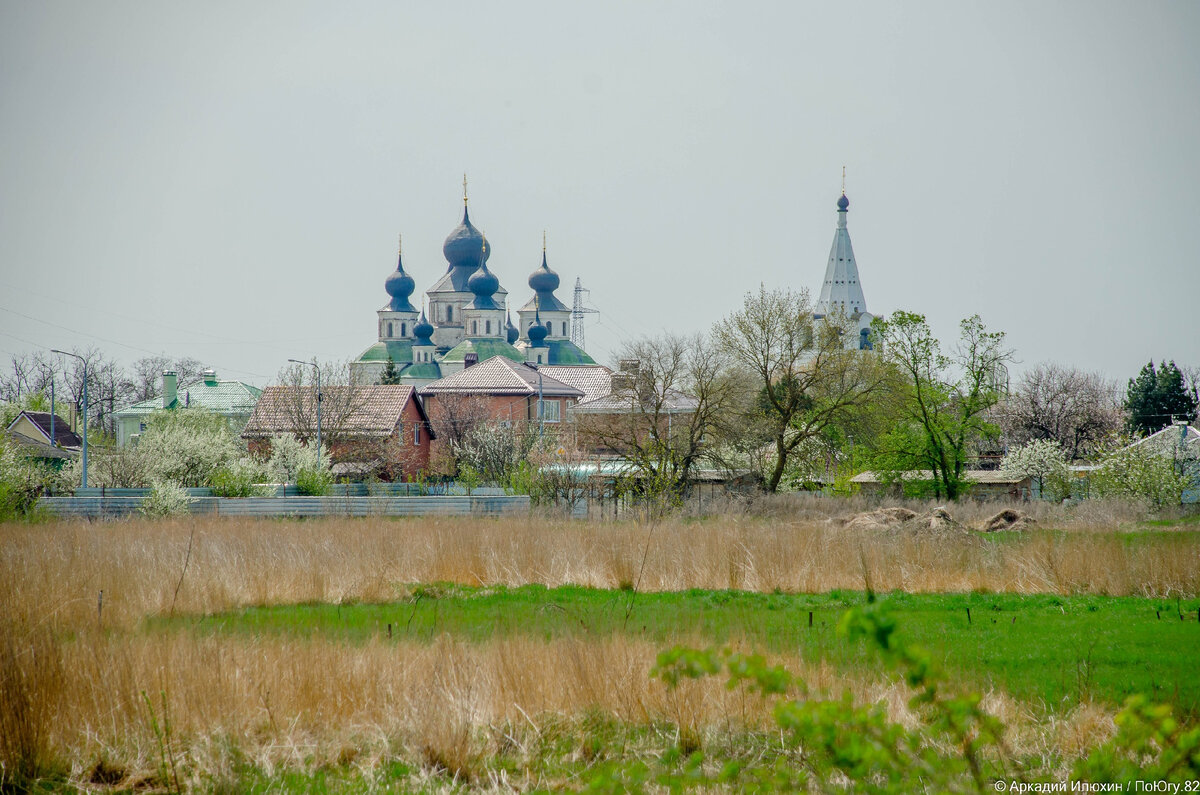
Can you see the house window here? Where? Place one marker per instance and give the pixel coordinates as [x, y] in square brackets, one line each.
[487, 326]
[548, 410]
[403, 329]
[474, 326]
[449, 314]
[389, 329]
[549, 328]
[564, 328]
[416, 433]
[141, 427]
[539, 358]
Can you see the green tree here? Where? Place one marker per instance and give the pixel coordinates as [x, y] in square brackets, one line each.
[1158, 397]
[808, 381]
[945, 397]
[390, 374]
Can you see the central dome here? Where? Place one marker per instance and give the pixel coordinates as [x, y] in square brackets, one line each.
[462, 245]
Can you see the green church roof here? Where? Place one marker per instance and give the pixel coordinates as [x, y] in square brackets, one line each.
[486, 347]
[399, 351]
[567, 352]
[425, 371]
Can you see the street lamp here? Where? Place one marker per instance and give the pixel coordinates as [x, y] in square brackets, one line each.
[318, 369]
[85, 409]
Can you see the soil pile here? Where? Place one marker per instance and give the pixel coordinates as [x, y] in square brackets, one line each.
[1008, 519]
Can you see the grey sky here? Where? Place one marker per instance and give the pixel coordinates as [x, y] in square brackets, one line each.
[227, 180]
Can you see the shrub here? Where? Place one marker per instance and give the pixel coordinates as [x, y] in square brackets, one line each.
[239, 478]
[22, 481]
[313, 481]
[1142, 471]
[166, 498]
[289, 456]
[1043, 460]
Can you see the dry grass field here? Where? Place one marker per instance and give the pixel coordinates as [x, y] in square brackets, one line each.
[90, 697]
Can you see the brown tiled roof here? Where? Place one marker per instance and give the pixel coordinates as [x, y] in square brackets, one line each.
[500, 376]
[376, 409]
[594, 379]
[625, 401]
[62, 429]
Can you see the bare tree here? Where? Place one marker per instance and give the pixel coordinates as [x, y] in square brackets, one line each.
[30, 374]
[455, 416]
[1077, 409]
[147, 374]
[806, 378]
[663, 421]
[342, 397]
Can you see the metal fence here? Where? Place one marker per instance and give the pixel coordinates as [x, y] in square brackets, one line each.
[110, 507]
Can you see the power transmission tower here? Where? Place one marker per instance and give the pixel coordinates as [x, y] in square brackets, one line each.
[578, 310]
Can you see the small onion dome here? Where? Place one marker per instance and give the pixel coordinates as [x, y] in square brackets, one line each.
[537, 335]
[511, 331]
[483, 282]
[399, 286]
[543, 280]
[423, 330]
[463, 244]
[843, 203]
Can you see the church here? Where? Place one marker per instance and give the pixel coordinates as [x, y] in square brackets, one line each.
[464, 318]
[842, 291]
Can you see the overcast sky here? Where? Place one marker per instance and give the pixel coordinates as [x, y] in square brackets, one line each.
[227, 180]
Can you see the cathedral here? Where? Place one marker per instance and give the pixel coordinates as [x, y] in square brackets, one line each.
[465, 319]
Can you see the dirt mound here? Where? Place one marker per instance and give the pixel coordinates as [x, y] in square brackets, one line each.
[1008, 519]
[938, 519]
[881, 518]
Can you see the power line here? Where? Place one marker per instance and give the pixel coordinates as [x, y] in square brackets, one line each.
[105, 339]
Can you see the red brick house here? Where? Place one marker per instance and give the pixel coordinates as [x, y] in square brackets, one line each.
[376, 429]
[498, 390]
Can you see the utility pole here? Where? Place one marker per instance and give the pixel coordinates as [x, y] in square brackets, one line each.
[578, 310]
[318, 369]
[85, 410]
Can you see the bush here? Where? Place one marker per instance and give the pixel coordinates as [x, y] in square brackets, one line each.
[1141, 472]
[289, 456]
[240, 478]
[314, 482]
[1045, 461]
[166, 498]
[22, 481]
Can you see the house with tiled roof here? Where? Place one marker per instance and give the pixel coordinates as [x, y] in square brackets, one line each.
[36, 437]
[37, 427]
[233, 400]
[499, 390]
[595, 380]
[376, 428]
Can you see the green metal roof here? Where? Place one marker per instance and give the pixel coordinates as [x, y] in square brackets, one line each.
[399, 351]
[426, 371]
[223, 397]
[486, 347]
[567, 352]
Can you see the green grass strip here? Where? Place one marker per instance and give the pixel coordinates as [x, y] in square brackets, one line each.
[1050, 650]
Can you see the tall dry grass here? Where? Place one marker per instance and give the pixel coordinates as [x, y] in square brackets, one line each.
[448, 706]
[83, 685]
[54, 574]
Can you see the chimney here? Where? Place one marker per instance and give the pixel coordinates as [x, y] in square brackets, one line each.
[169, 393]
[210, 377]
[470, 359]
